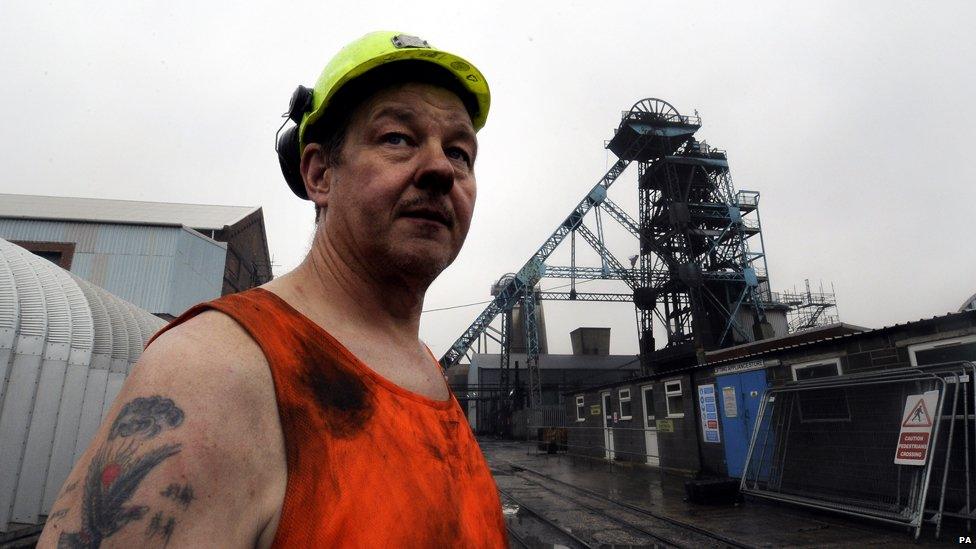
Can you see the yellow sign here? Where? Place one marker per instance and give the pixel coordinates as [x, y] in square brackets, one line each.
[665, 425]
[595, 410]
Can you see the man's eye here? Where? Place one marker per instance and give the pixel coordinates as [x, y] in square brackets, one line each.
[459, 154]
[394, 139]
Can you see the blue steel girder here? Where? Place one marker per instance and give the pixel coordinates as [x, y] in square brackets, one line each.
[597, 273]
[532, 349]
[507, 297]
[599, 236]
[515, 289]
[586, 273]
[575, 218]
[588, 296]
[621, 216]
[496, 336]
[504, 355]
[614, 264]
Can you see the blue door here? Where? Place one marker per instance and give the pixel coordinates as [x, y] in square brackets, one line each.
[739, 396]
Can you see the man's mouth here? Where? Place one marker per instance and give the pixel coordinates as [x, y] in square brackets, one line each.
[429, 214]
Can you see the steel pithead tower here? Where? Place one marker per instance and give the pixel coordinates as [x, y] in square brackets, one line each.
[699, 273]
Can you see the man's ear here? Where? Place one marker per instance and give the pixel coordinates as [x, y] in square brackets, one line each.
[317, 174]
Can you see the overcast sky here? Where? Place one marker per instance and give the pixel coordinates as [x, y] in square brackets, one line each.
[855, 120]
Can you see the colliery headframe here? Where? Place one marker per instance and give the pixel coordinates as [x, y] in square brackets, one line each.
[700, 273]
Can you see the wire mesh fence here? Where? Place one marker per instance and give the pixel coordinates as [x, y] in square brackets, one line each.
[869, 445]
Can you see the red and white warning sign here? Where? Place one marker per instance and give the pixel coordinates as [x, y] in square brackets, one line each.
[916, 428]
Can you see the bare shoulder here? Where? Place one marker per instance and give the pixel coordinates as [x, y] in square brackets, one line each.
[209, 344]
[190, 454]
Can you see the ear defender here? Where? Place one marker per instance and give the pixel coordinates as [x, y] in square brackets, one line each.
[286, 142]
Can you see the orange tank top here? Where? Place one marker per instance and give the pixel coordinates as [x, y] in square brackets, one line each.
[370, 464]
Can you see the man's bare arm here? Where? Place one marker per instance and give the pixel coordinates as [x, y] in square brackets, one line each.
[119, 467]
[190, 454]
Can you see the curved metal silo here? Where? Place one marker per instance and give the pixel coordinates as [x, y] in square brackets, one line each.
[17, 393]
[136, 340]
[73, 393]
[101, 362]
[47, 392]
[9, 319]
[66, 347]
[120, 350]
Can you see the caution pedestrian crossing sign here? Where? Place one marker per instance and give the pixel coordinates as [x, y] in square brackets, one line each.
[919, 416]
[916, 428]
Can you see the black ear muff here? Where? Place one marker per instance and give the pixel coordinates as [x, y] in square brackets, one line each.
[286, 142]
[290, 161]
[300, 103]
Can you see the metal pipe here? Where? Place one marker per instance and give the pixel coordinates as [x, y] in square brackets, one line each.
[917, 522]
[945, 470]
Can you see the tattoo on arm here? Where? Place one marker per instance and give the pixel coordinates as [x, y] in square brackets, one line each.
[160, 526]
[119, 467]
[180, 494]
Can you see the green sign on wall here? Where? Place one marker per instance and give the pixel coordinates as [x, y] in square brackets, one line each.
[665, 425]
[594, 409]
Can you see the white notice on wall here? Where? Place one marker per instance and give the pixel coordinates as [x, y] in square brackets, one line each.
[729, 402]
[709, 413]
[916, 428]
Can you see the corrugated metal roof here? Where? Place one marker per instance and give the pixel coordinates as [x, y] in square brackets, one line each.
[195, 216]
[855, 334]
[489, 361]
[864, 333]
[816, 333]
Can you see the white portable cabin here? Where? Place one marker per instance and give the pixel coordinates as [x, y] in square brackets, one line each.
[66, 347]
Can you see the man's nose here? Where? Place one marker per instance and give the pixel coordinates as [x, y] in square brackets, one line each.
[436, 172]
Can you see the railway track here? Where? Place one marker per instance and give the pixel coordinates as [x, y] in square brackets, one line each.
[595, 517]
[544, 532]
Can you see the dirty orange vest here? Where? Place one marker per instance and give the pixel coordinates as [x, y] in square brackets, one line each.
[370, 464]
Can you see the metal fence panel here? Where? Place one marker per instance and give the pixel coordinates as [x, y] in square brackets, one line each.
[830, 443]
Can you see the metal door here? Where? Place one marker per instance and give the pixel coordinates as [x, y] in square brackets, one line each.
[740, 396]
[650, 427]
[607, 429]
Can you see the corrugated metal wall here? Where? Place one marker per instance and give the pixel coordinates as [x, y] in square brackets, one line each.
[66, 346]
[198, 273]
[160, 269]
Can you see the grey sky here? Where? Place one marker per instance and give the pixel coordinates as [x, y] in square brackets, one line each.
[854, 120]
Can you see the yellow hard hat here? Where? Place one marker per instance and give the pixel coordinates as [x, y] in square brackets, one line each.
[379, 48]
[373, 50]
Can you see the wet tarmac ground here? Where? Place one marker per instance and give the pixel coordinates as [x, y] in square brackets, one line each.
[564, 501]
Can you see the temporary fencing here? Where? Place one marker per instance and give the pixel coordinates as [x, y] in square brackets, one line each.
[831, 444]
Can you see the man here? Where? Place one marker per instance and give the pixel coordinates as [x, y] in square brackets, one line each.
[307, 412]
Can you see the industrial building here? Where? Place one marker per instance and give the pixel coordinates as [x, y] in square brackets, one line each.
[79, 278]
[494, 387]
[736, 381]
[483, 395]
[699, 280]
[162, 257]
[827, 433]
[654, 419]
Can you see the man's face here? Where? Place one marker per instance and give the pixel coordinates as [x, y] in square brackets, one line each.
[403, 193]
